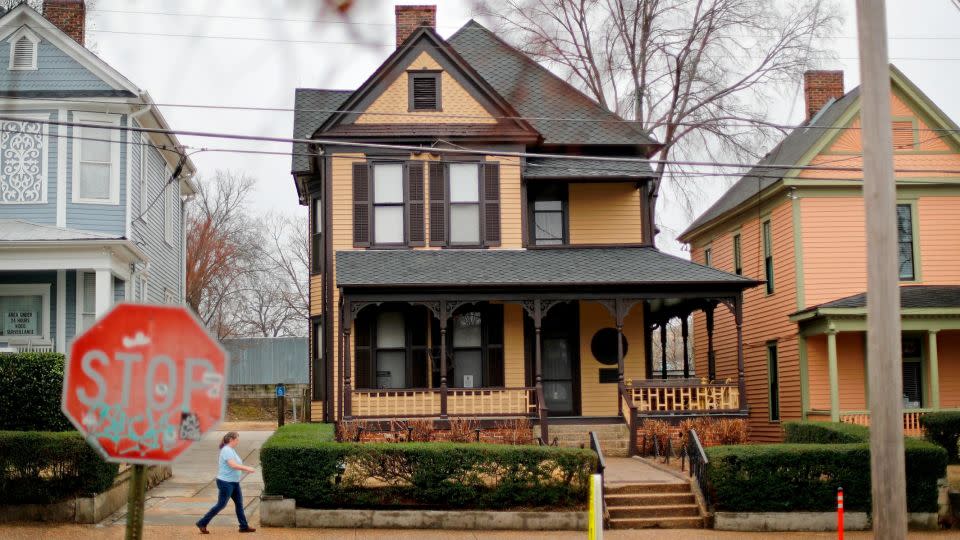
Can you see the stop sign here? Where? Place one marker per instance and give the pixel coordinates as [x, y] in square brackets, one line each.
[144, 383]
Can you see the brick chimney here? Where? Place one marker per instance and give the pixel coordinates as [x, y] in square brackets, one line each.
[819, 87]
[409, 18]
[68, 15]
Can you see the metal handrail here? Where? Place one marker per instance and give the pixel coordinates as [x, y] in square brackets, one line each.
[698, 464]
[601, 465]
[630, 416]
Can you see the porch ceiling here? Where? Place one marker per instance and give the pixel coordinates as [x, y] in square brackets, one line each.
[540, 268]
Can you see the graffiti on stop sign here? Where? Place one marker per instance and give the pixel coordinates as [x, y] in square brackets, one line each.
[158, 427]
[145, 382]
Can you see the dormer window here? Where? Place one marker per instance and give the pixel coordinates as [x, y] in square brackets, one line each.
[23, 50]
[424, 91]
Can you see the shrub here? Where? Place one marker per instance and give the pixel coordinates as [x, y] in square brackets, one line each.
[30, 388]
[805, 477]
[437, 474]
[44, 467]
[943, 428]
[825, 433]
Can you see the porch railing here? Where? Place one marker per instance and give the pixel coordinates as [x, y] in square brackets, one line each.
[911, 420]
[628, 409]
[683, 395]
[428, 402]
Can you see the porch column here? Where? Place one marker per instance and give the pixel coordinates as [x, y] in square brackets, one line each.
[741, 374]
[537, 354]
[663, 349]
[346, 320]
[834, 375]
[934, 369]
[103, 296]
[620, 316]
[685, 333]
[443, 358]
[711, 358]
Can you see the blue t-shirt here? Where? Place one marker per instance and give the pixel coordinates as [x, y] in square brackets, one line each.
[228, 473]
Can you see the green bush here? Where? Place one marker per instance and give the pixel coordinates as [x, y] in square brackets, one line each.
[43, 467]
[825, 433]
[30, 388]
[305, 466]
[943, 428]
[805, 477]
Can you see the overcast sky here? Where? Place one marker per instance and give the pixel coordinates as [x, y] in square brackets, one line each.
[260, 50]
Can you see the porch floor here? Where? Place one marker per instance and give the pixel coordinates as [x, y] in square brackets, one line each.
[624, 471]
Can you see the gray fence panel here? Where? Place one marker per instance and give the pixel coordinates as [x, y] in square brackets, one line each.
[268, 360]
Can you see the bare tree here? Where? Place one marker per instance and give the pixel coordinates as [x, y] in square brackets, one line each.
[288, 252]
[696, 73]
[223, 248]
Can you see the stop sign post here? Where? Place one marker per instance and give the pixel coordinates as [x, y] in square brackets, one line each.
[142, 384]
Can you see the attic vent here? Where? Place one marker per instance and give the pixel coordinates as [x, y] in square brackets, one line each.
[424, 91]
[903, 135]
[23, 53]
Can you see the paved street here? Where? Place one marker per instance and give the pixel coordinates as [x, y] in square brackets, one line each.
[192, 490]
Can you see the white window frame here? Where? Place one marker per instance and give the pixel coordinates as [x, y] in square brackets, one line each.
[45, 154]
[144, 179]
[169, 297]
[32, 289]
[108, 120]
[17, 36]
[79, 328]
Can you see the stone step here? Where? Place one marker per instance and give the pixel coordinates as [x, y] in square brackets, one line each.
[649, 499]
[657, 523]
[661, 510]
[626, 489]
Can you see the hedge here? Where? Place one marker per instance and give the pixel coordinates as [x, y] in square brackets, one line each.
[44, 467]
[30, 389]
[804, 477]
[943, 428]
[825, 433]
[305, 466]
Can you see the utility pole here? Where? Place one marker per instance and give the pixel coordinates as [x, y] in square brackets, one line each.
[883, 293]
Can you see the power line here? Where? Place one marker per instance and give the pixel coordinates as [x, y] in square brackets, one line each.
[650, 124]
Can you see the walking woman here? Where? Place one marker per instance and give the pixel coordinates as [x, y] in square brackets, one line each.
[228, 482]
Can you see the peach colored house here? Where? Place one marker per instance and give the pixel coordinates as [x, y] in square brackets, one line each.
[802, 231]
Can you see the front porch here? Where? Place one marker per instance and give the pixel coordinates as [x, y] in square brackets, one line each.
[533, 351]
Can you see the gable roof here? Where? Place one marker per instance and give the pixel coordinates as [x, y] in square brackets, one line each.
[790, 150]
[23, 14]
[311, 107]
[538, 94]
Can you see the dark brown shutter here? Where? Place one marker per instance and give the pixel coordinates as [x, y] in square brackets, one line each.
[438, 205]
[415, 203]
[361, 205]
[491, 204]
[425, 94]
[493, 316]
[417, 320]
[363, 331]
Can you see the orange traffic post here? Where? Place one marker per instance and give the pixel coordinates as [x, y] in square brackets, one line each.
[840, 513]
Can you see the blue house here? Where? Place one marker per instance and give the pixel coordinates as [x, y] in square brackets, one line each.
[89, 215]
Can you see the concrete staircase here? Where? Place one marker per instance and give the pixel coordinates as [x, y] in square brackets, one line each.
[613, 437]
[652, 506]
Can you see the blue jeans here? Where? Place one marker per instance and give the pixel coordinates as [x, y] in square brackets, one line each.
[228, 490]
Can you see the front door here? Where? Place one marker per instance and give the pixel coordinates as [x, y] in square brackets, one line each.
[560, 359]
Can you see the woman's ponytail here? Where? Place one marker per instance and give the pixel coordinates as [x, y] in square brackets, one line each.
[229, 437]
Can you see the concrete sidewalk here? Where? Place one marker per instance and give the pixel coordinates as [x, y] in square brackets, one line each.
[192, 490]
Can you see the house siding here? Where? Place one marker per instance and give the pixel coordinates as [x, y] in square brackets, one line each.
[56, 70]
[601, 399]
[44, 213]
[605, 213]
[948, 354]
[851, 366]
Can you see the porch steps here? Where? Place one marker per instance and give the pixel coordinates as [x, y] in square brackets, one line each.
[613, 437]
[652, 506]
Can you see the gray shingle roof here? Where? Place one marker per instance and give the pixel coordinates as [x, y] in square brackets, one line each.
[537, 93]
[501, 267]
[580, 168]
[790, 150]
[309, 106]
[911, 297]
[18, 230]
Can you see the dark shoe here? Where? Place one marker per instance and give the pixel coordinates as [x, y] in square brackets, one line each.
[203, 530]
[248, 529]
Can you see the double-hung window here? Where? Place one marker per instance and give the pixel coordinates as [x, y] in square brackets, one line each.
[388, 219]
[767, 254]
[737, 256]
[96, 160]
[708, 257]
[391, 350]
[773, 381]
[87, 301]
[549, 220]
[464, 204]
[316, 238]
[468, 350]
[905, 247]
